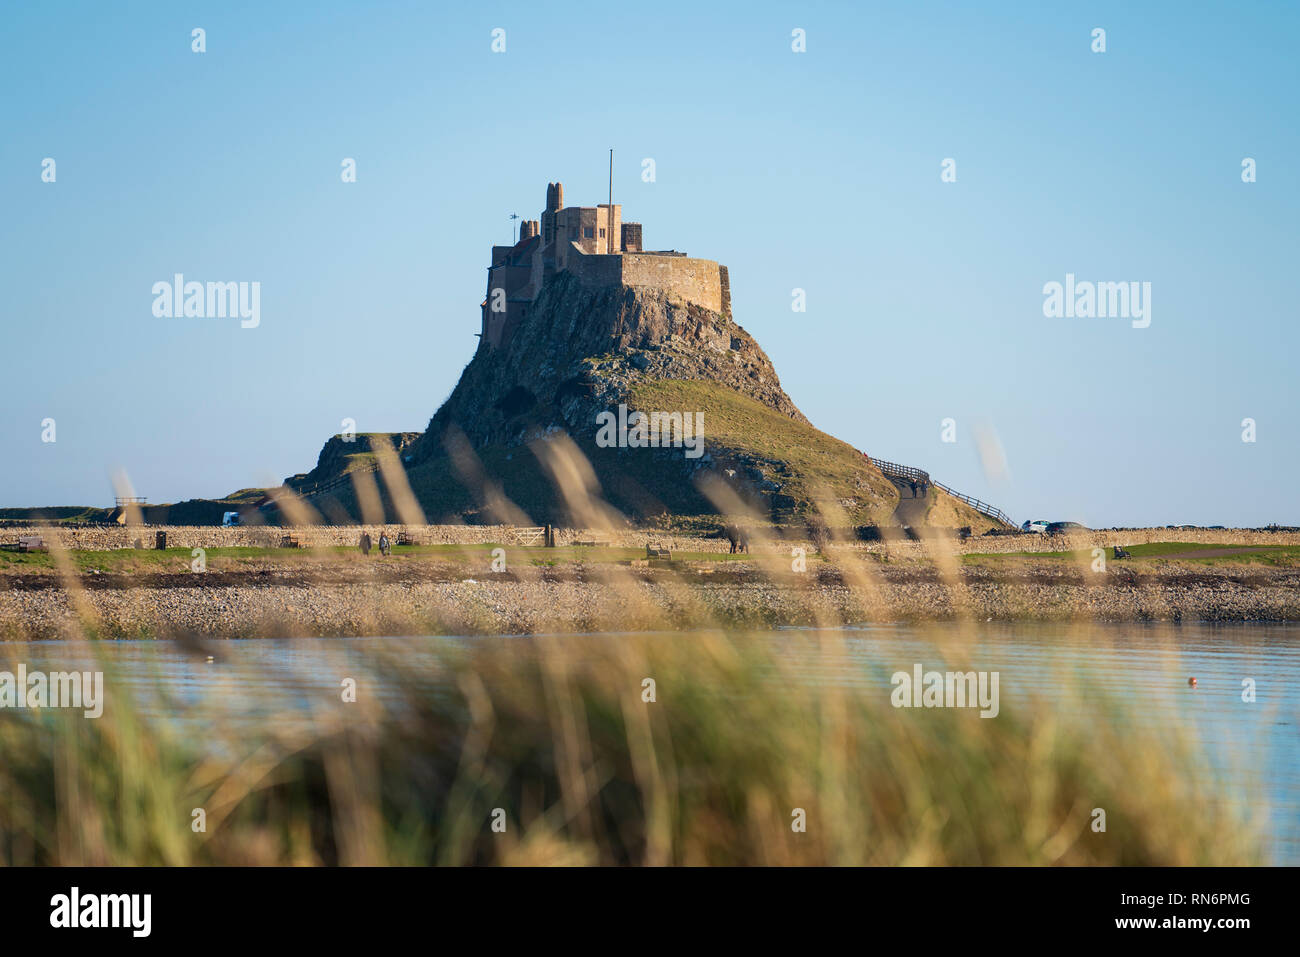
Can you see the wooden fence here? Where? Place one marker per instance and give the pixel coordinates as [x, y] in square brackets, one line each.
[905, 473]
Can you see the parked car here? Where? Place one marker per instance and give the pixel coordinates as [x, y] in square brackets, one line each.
[1034, 525]
[1064, 528]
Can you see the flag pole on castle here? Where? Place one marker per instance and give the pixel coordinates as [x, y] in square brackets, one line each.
[610, 215]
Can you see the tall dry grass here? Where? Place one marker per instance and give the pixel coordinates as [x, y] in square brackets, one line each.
[554, 738]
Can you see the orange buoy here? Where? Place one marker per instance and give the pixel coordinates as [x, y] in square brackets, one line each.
[1191, 682]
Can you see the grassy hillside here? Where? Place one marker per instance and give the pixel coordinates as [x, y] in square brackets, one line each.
[798, 463]
[806, 463]
[55, 513]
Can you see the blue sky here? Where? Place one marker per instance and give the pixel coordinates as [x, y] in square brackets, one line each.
[816, 170]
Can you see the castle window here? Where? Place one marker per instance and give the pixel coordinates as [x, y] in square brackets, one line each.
[587, 232]
[602, 234]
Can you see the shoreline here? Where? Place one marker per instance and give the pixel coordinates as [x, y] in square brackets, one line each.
[651, 600]
[458, 588]
[894, 539]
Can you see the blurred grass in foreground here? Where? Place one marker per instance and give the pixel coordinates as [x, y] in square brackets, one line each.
[556, 734]
[554, 731]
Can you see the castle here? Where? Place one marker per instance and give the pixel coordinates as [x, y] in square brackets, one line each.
[593, 244]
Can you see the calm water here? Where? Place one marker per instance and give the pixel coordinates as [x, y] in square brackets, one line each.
[1257, 744]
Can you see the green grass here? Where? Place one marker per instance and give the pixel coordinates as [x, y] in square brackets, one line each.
[149, 560]
[1276, 555]
[178, 559]
[1272, 555]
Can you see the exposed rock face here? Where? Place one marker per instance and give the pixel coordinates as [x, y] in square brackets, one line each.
[334, 457]
[583, 351]
[579, 351]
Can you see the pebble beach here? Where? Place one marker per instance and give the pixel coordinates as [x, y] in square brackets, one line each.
[307, 594]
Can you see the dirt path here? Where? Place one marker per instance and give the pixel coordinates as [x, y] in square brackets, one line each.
[911, 511]
[1212, 553]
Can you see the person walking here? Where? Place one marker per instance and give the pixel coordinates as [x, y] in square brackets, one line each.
[365, 543]
[383, 544]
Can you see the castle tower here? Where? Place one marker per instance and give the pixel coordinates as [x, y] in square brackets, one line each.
[554, 203]
[595, 246]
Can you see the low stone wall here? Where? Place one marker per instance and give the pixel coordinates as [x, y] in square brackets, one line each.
[190, 536]
[208, 536]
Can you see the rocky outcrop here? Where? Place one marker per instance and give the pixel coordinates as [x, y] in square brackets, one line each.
[579, 352]
[339, 455]
[584, 350]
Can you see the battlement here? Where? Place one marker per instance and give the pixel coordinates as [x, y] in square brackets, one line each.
[593, 244]
[682, 277]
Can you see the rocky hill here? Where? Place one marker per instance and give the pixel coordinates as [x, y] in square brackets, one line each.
[584, 351]
[342, 455]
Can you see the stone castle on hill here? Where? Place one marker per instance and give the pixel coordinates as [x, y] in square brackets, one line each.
[593, 244]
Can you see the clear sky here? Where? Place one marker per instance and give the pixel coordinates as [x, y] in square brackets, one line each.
[817, 170]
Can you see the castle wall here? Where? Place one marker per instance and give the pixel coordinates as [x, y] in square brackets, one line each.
[570, 239]
[596, 270]
[694, 280]
[701, 281]
[516, 280]
[510, 278]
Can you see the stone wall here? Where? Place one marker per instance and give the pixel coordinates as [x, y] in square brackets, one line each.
[192, 536]
[691, 280]
[597, 271]
[104, 538]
